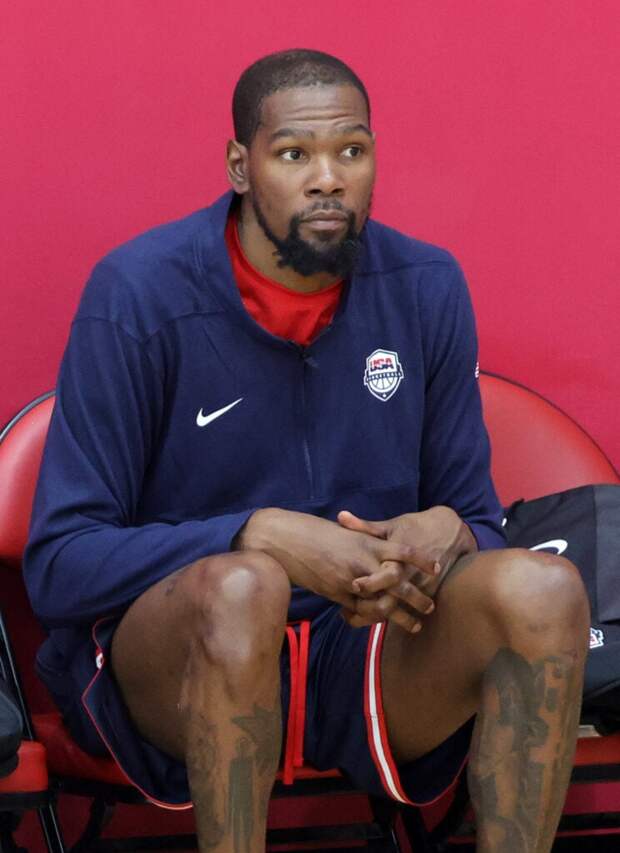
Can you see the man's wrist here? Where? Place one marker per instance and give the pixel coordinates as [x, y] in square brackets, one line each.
[272, 531]
[467, 541]
[256, 533]
[464, 542]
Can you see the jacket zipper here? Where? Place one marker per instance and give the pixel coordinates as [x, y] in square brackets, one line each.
[306, 360]
[305, 441]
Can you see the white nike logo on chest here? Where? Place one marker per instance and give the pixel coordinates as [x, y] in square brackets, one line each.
[202, 420]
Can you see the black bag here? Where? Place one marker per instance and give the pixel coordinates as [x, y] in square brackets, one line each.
[583, 525]
[10, 731]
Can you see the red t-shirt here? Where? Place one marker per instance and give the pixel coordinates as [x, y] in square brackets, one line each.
[284, 312]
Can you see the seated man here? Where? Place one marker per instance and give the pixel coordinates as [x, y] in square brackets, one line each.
[268, 413]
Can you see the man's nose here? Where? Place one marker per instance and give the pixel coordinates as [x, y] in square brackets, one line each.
[326, 178]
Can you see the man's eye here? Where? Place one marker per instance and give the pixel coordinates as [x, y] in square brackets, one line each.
[291, 154]
[352, 151]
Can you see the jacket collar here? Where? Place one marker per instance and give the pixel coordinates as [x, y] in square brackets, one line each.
[214, 262]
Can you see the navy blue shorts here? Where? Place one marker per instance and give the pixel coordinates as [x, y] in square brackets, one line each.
[344, 720]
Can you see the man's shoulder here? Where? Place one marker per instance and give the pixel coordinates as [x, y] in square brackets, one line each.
[160, 250]
[152, 278]
[158, 244]
[413, 266]
[388, 249]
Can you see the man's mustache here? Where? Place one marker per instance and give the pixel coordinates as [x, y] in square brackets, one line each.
[324, 207]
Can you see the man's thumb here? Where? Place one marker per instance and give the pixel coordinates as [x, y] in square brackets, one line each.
[353, 522]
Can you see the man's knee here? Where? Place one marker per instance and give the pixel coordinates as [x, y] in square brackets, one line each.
[238, 604]
[214, 625]
[537, 594]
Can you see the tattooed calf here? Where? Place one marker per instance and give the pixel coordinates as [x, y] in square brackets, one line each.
[522, 749]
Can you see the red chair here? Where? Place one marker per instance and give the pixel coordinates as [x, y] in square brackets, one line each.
[536, 448]
[27, 787]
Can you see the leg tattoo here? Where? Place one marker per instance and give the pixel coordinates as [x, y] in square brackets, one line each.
[522, 749]
[204, 771]
[265, 730]
[241, 797]
[231, 808]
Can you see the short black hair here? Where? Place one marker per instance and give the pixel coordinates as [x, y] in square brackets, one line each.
[286, 69]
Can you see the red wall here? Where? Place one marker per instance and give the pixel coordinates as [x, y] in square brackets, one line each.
[498, 128]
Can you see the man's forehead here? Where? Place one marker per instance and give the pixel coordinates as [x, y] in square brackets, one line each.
[299, 107]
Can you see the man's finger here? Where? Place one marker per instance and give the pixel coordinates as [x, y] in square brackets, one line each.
[407, 621]
[353, 522]
[421, 580]
[376, 609]
[390, 578]
[388, 575]
[356, 621]
[414, 597]
[401, 553]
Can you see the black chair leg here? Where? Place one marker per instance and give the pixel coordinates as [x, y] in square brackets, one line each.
[384, 814]
[51, 829]
[387, 844]
[101, 813]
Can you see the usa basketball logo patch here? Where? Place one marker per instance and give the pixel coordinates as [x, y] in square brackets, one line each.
[383, 373]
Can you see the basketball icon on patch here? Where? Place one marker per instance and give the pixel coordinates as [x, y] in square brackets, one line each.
[597, 638]
[383, 373]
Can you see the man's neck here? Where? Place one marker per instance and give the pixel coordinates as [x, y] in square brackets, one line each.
[261, 253]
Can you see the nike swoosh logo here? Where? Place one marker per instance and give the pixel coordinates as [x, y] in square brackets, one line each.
[558, 545]
[203, 420]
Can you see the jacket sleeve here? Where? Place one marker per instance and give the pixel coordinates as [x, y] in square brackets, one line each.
[455, 456]
[86, 557]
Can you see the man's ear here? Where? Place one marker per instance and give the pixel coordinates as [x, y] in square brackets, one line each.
[237, 166]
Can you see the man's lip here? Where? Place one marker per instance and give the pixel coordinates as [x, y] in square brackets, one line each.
[325, 215]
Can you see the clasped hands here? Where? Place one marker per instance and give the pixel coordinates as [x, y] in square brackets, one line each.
[402, 592]
[376, 570]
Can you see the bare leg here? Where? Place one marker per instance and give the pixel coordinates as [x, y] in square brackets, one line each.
[522, 750]
[507, 641]
[197, 660]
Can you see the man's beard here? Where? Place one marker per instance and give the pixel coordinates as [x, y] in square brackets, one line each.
[305, 259]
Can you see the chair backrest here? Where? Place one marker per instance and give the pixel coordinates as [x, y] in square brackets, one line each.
[536, 449]
[21, 448]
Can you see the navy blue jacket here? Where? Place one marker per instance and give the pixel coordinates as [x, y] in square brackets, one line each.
[379, 415]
